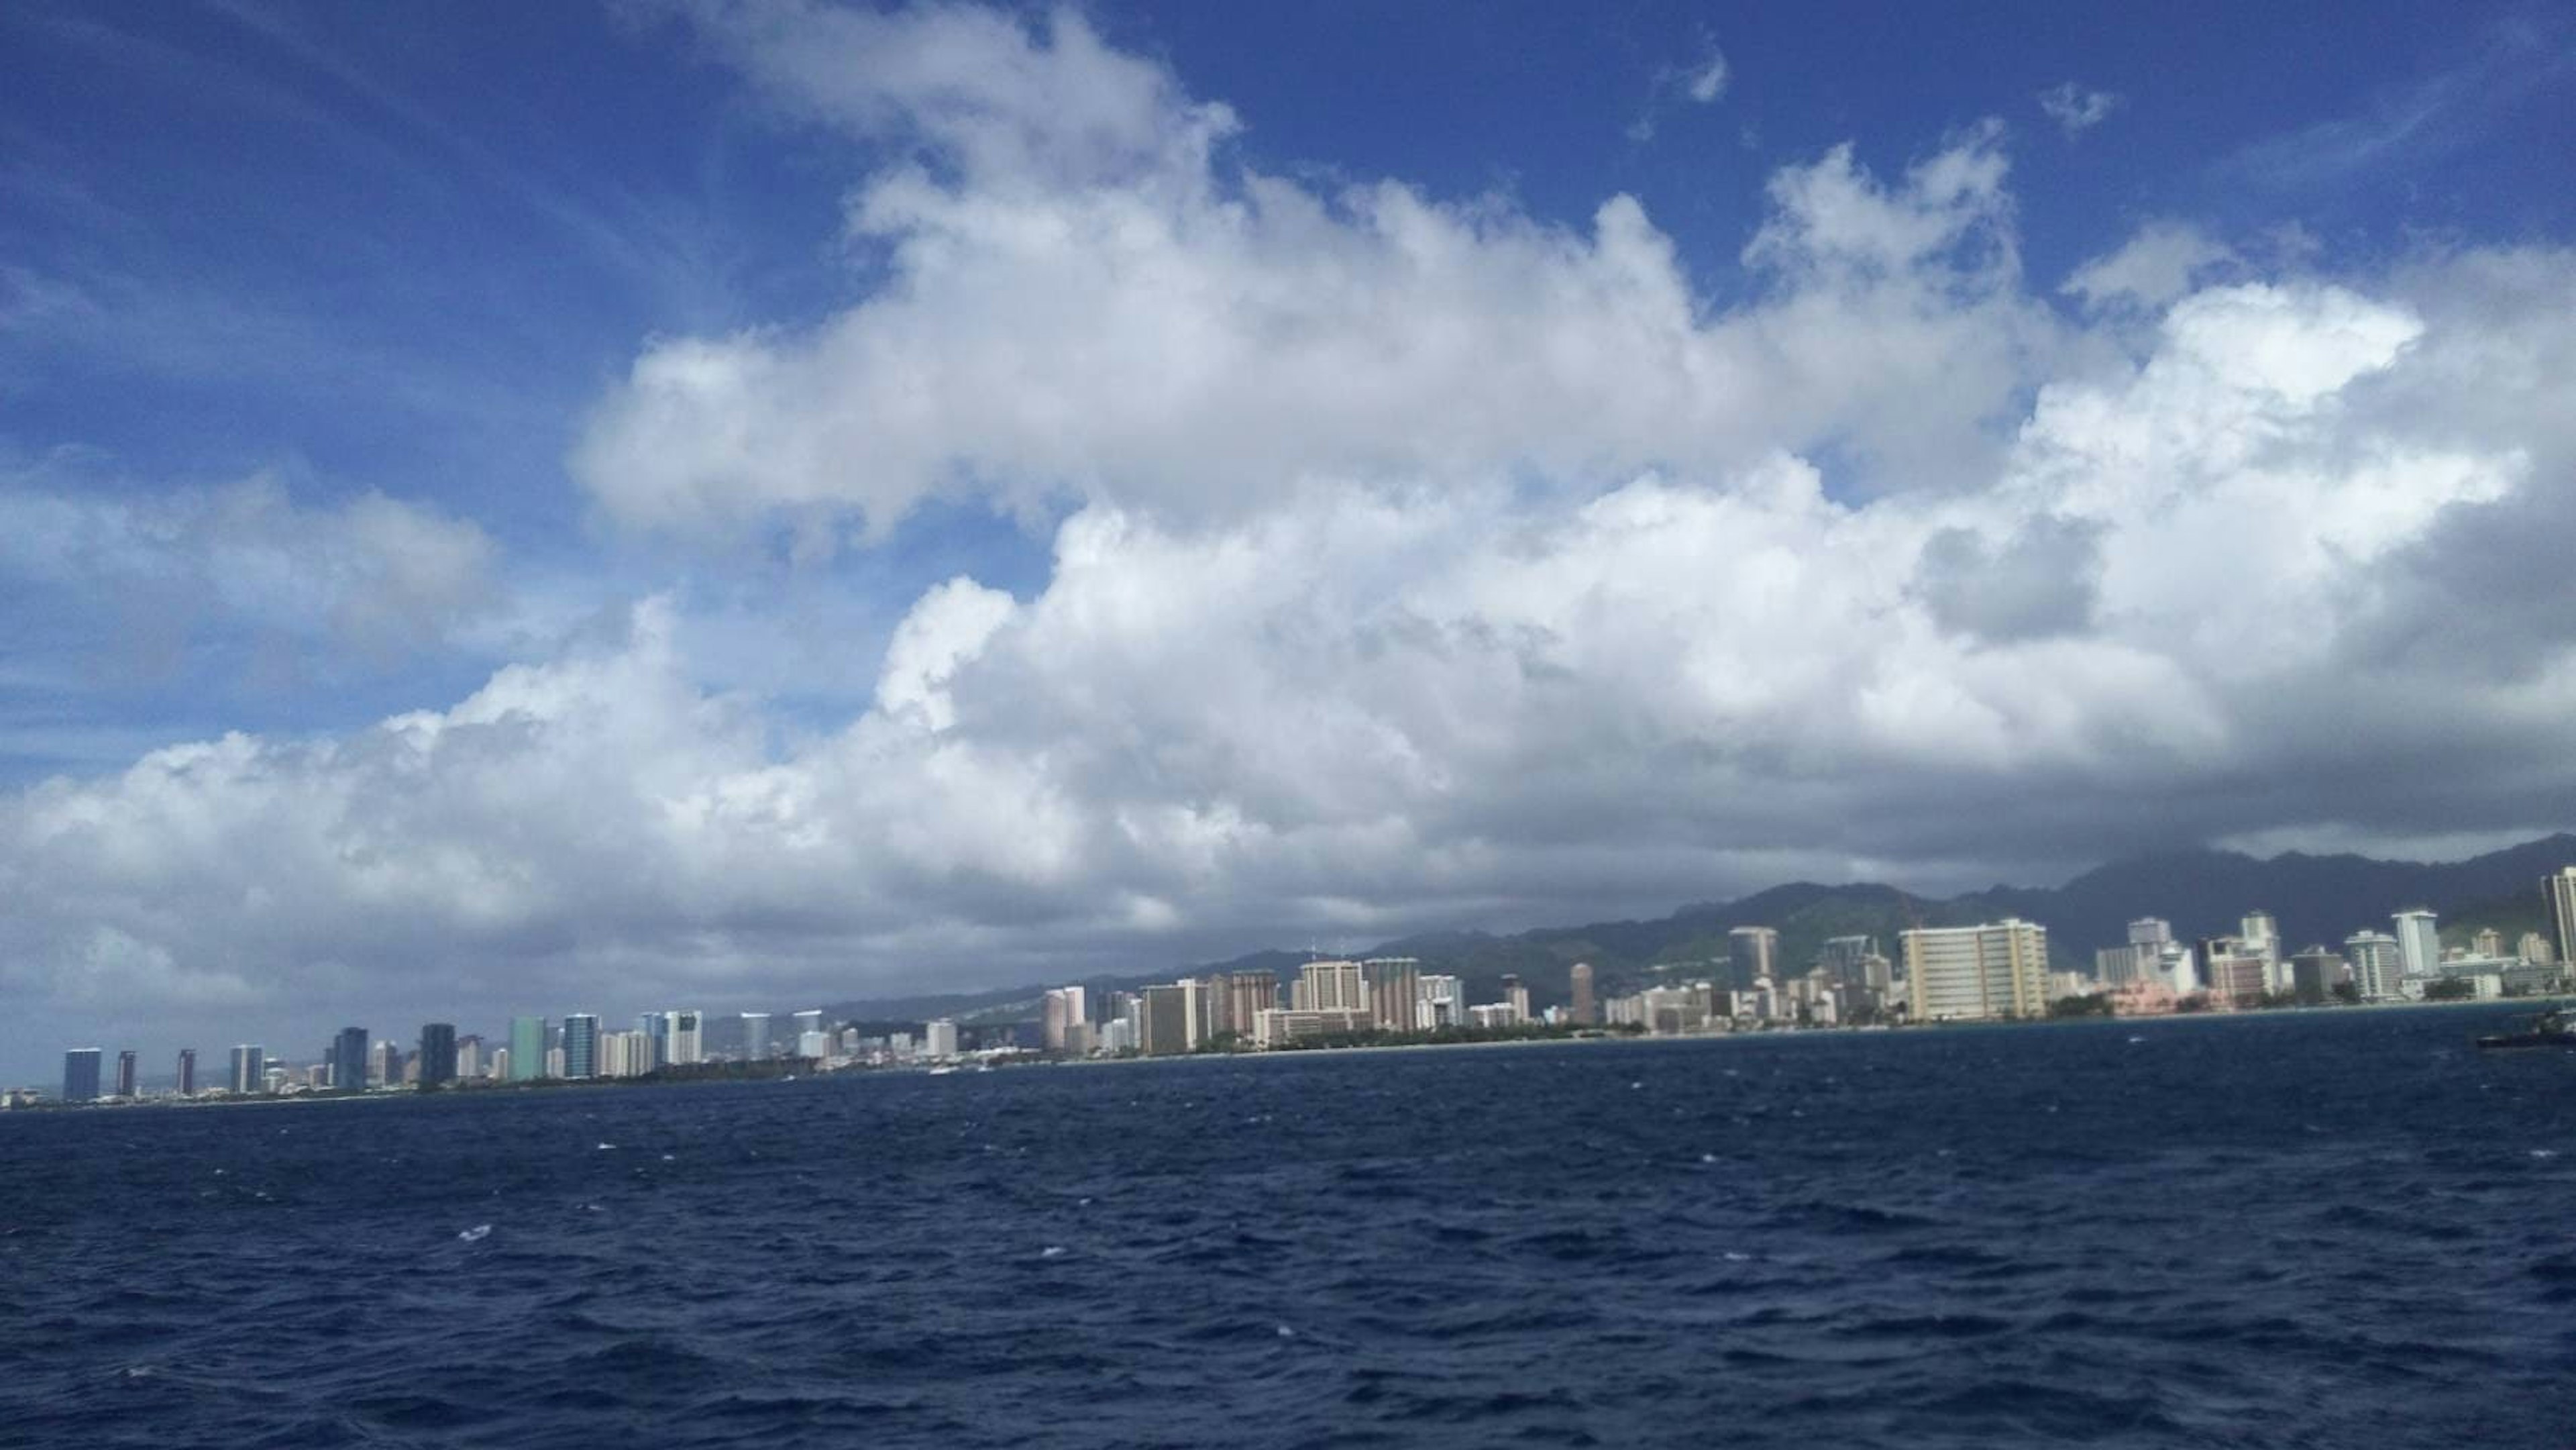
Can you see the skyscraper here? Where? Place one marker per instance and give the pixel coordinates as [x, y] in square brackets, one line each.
[250, 1069]
[1331, 987]
[656, 1029]
[1579, 995]
[437, 1054]
[1516, 997]
[2560, 892]
[755, 1036]
[580, 1045]
[1965, 973]
[527, 1048]
[125, 1082]
[2419, 943]
[688, 1042]
[939, 1039]
[187, 1072]
[1755, 951]
[80, 1075]
[1248, 995]
[1063, 1013]
[809, 1020]
[1164, 1023]
[1394, 991]
[349, 1059]
[2376, 967]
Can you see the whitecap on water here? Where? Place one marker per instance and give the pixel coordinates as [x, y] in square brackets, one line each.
[607, 1147]
[1052, 1251]
[1287, 1333]
[476, 1234]
[2544, 1152]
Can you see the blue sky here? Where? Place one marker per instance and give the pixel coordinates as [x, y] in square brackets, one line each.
[359, 362]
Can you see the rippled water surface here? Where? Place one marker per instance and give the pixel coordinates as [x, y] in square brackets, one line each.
[2340, 1229]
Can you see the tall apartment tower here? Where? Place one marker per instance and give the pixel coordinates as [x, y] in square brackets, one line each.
[1578, 992]
[349, 1059]
[1248, 995]
[581, 1045]
[187, 1072]
[939, 1039]
[125, 1074]
[437, 1054]
[755, 1036]
[250, 1069]
[2560, 891]
[1394, 992]
[2151, 931]
[527, 1048]
[1516, 997]
[688, 1036]
[2419, 943]
[1331, 987]
[2376, 967]
[1970, 973]
[1756, 953]
[80, 1075]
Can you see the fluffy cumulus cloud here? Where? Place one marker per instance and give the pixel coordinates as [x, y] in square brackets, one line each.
[1414, 561]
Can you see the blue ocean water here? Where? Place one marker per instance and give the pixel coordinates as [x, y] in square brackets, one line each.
[2339, 1229]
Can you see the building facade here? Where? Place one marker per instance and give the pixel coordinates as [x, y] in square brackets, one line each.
[349, 1059]
[1977, 973]
[2559, 891]
[80, 1075]
[1581, 1009]
[437, 1054]
[580, 1046]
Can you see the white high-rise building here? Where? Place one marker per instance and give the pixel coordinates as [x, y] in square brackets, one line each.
[2419, 943]
[2376, 967]
[939, 1040]
[2151, 931]
[1442, 1001]
[755, 1036]
[808, 1021]
[686, 1040]
[1967, 973]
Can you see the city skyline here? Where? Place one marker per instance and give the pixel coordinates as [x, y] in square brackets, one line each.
[1996, 971]
[762, 503]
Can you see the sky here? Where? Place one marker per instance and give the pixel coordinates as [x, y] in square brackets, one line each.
[531, 509]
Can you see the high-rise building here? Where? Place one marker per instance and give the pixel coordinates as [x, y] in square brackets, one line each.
[437, 1054]
[349, 1059]
[1842, 957]
[755, 1036]
[80, 1075]
[625, 1054]
[2259, 936]
[527, 1048]
[2419, 943]
[1516, 998]
[2316, 972]
[1331, 987]
[809, 1020]
[469, 1057]
[1247, 996]
[384, 1063]
[2377, 967]
[1969, 973]
[688, 1044]
[2151, 931]
[1394, 991]
[580, 1045]
[2537, 950]
[187, 1072]
[2559, 891]
[250, 1069]
[1065, 1011]
[2486, 942]
[939, 1039]
[1755, 952]
[126, 1085]
[1578, 993]
[1443, 1001]
[499, 1068]
[1163, 1025]
[655, 1029]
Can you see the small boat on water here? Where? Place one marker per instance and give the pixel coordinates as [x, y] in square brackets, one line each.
[2549, 1029]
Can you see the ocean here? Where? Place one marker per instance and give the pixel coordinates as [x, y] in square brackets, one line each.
[2333, 1229]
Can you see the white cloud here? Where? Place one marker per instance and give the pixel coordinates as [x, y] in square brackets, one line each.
[363, 576]
[2151, 269]
[2075, 109]
[1204, 338]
